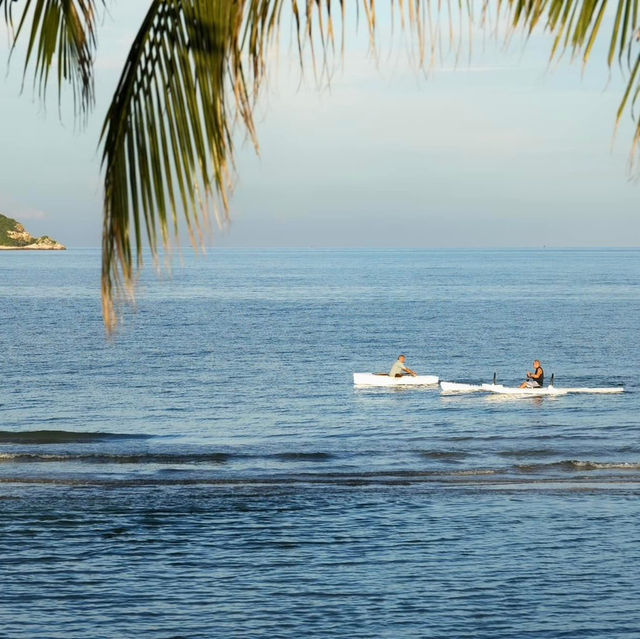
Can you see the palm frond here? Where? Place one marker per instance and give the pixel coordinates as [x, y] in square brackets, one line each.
[167, 134]
[62, 33]
[577, 24]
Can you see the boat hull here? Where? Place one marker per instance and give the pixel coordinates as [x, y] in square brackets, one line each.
[499, 389]
[382, 380]
[523, 392]
[548, 390]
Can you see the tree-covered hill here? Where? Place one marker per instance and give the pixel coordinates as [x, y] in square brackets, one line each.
[14, 235]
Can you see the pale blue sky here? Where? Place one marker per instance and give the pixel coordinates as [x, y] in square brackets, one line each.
[500, 151]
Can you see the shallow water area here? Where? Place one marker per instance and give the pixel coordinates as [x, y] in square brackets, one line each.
[212, 471]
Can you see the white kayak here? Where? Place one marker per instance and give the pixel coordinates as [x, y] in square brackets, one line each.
[548, 390]
[499, 389]
[382, 379]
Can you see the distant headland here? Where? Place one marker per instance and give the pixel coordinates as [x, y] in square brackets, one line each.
[13, 236]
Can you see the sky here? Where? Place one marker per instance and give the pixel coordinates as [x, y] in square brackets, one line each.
[494, 150]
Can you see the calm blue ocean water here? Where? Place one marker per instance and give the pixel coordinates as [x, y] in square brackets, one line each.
[212, 472]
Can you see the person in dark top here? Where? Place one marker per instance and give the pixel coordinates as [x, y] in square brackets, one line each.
[535, 379]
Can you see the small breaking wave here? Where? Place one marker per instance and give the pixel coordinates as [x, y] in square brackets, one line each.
[62, 437]
[287, 479]
[105, 458]
[157, 458]
[572, 465]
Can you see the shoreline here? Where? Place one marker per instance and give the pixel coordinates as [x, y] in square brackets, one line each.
[33, 248]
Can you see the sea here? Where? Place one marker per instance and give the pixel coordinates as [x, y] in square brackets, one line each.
[211, 471]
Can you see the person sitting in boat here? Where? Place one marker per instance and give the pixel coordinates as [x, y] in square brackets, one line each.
[399, 369]
[535, 379]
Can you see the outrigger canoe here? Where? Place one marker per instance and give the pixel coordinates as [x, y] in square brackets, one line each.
[547, 390]
[382, 379]
[453, 387]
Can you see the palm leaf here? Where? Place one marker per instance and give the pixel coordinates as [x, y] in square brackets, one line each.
[167, 135]
[61, 32]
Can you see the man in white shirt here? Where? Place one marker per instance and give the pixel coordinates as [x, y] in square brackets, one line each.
[399, 369]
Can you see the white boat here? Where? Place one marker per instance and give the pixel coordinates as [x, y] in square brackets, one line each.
[548, 390]
[456, 387]
[500, 389]
[382, 379]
